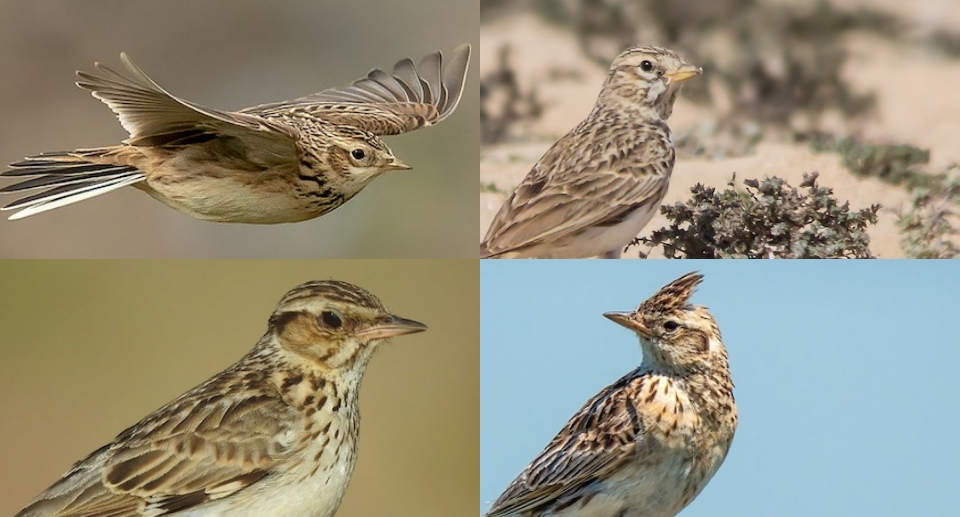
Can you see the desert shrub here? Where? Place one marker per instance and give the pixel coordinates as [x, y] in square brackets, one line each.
[891, 163]
[927, 228]
[768, 219]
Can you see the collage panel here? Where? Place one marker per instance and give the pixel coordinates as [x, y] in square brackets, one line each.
[234, 151]
[91, 347]
[734, 129]
[605, 388]
[301, 252]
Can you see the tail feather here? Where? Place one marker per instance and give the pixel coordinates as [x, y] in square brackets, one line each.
[67, 178]
[68, 198]
[32, 168]
[49, 180]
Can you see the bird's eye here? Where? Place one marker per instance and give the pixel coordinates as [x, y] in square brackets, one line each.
[358, 154]
[330, 319]
[646, 65]
[671, 326]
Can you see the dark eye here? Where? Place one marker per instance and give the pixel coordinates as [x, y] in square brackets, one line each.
[330, 319]
[671, 326]
[646, 65]
[358, 154]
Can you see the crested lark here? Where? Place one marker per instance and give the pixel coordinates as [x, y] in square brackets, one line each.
[646, 445]
[275, 163]
[601, 183]
[273, 435]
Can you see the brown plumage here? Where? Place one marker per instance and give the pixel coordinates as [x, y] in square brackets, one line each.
[274, 434]
[282, 162]
[596, 187]
[646, 445]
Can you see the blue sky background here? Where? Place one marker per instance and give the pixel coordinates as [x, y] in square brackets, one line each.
[847, 376]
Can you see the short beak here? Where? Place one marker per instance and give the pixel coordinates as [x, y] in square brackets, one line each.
[683, 73]
[390, 326]
[397, 165]
[626, 319]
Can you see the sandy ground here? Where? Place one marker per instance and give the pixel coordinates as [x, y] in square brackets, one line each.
[916, 103]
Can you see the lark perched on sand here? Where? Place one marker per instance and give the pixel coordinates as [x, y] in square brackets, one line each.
[276, 163]
[273, 435]
[646, 445]
[600, 184]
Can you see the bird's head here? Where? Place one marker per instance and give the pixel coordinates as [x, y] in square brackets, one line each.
[335, 325]
[358, 156]
[650, 78]
[675, 335]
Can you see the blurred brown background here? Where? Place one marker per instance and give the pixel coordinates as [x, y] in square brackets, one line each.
[231, 54]
[90, 347]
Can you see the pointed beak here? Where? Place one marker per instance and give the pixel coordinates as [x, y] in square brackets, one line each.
[626, 319]
[390, 326]
[397, 165]
[683, 73]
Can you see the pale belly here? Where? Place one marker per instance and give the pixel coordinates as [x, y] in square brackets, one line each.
[600, 240]
[661, 489]
[284, 495]
[222, 196]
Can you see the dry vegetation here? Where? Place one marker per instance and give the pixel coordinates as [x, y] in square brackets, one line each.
[769, 219]
[776, 72]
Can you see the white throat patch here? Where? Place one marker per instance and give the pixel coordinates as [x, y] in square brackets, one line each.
[655, 90]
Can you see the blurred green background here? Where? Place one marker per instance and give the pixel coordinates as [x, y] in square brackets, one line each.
[90, 347]
[229, 55]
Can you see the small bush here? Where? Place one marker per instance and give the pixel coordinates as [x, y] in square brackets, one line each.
[926, 229]
[769, 219]
[892, 163]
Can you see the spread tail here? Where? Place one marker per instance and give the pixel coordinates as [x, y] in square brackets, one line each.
[65, 177]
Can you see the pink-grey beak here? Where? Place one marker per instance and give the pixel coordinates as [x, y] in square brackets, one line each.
[390, 326]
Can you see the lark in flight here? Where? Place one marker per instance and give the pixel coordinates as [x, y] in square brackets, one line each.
[274, 163]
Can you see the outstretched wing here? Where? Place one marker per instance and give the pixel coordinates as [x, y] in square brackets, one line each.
[154, 117]
[413, 96]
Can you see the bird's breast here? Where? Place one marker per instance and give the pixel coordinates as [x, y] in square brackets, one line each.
[681, 447]
[210, 192]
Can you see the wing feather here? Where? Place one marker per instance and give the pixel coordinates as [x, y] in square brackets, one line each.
[199, 448]
[575, 186]
[153, 116]
[596, 441]
[411, 97]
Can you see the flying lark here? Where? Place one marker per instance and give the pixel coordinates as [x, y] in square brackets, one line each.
[275, 163]
[601, 183]
[646, 445]
[273, 435]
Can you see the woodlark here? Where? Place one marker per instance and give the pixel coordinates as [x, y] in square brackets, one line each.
[646, 445]
[275, 163]
[273, 435]
[599, 185]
